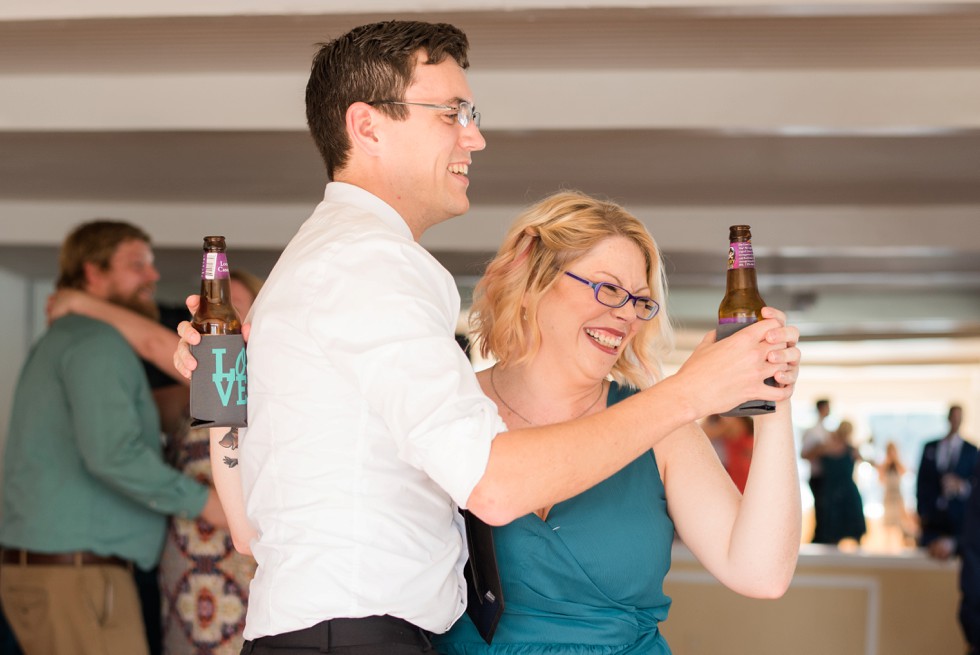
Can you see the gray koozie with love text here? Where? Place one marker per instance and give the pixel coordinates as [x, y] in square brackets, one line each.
[219, 384]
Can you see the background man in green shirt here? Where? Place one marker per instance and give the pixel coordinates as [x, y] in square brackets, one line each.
[86, 491]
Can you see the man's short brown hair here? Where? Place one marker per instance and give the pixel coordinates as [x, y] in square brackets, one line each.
[93, 242]
[371, 63]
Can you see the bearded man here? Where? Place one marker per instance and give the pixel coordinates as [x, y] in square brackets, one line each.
[86, 492]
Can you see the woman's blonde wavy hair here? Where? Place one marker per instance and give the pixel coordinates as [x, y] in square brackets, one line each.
[540, 246]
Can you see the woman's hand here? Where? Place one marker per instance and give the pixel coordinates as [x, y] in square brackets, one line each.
[789, 355]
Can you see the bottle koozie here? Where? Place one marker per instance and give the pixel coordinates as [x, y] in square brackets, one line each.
[219, 385]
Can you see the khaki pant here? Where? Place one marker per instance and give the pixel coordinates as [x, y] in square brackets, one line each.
[73, 610]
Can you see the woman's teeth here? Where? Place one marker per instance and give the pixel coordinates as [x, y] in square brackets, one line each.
[604, 339]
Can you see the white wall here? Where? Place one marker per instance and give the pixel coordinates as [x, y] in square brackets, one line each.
[16, 326]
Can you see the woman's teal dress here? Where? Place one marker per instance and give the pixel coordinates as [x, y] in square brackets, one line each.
[842, 513]
[589, 579]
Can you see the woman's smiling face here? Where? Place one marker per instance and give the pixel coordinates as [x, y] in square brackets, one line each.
[575, 326]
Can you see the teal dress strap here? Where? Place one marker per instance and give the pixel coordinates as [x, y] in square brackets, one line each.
[589, 579]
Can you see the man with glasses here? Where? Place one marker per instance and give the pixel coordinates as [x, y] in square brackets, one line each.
[367, 426]
[463, 112]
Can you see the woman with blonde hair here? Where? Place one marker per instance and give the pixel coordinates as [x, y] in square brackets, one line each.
[572, 309]
[898, 525]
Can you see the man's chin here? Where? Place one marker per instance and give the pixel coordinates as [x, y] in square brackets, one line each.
[147, 309]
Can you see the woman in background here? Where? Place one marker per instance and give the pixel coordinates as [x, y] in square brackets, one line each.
[203, 579]
[898, 525]
[843, 513]
[733, 440]
[739, 444]
[571, 307]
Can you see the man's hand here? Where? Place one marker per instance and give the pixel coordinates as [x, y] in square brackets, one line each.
[184, 362]
[942, 548]
[954, 486]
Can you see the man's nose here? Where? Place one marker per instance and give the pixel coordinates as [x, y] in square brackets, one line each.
[471, 138]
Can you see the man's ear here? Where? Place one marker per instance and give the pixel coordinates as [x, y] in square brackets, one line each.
[364, 127]
[94, 276]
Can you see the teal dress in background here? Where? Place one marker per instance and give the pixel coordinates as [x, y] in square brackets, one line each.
[589, 580]
[842, 515]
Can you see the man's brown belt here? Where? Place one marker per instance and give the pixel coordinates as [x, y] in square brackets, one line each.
[59, 559]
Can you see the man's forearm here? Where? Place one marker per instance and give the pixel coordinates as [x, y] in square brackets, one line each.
[537, 467]
[531, 469]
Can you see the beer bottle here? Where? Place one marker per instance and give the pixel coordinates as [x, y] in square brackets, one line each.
[219, 384]
[216, 314]
[742, 305]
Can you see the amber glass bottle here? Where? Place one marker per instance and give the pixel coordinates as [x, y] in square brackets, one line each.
[216, 314]
[219, 384]
[742, 304]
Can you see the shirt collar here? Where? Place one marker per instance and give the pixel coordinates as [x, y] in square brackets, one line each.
[348, 194]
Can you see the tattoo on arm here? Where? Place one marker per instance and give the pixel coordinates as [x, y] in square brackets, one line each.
[230, 440]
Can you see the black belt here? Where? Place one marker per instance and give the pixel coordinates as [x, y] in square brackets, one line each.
[337, 633]
[59, 559]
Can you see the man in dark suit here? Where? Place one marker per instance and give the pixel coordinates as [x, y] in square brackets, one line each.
[970, 571]
[943, 487]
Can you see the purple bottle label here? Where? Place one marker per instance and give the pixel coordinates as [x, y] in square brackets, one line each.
[214, 266]
[729, 326]
[738, 320]
[740, 255]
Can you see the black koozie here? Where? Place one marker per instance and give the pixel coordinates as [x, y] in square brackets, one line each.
[219, 385]
[751, 407]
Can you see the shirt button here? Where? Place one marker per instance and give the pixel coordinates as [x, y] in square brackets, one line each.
[153, 504]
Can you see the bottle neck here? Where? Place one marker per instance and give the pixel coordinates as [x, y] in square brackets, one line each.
[741, 266]
[216, 292]
[740, 255]
[215, 278]
[216, 313]
[214, 265]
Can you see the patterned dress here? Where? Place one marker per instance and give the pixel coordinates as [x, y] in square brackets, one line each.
[203, 579]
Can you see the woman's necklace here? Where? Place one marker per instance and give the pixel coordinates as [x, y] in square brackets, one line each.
[493, 385]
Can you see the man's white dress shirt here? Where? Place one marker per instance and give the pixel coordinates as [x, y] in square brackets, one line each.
[948, 453]
[818, 435]
[367, 426]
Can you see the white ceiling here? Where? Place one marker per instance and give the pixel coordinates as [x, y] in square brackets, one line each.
[847, 135]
